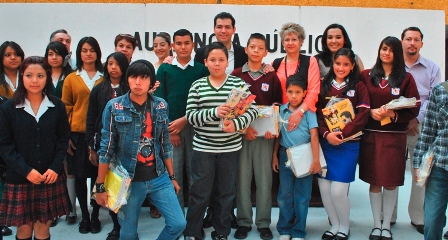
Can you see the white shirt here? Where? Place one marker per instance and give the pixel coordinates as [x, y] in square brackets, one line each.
[231, 59]
[44, 105]
[176, 63]
[9, 82]
[89, 82]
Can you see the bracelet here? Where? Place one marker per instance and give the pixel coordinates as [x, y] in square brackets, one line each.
[173, 177]
[300, 111]
[100, 188]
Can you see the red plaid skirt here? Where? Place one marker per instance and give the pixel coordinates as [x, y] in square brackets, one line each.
[28, 203]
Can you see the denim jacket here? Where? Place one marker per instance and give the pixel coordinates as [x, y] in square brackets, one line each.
[120, 136]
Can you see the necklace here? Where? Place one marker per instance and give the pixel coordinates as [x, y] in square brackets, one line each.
[143, 117]
[297, 68]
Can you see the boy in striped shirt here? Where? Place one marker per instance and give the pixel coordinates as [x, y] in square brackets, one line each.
[216, 150]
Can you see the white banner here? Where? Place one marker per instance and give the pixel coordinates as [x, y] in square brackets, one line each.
[30, 25]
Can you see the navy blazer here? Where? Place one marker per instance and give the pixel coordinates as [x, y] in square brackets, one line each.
[240, 56]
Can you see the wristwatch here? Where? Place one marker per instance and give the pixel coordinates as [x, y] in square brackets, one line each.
[301, 110]
[100, 188]
[173, 177]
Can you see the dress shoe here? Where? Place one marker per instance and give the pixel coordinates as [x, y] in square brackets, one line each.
[341, 236]
[215, 236]
[327, 235]
[95, 226]
[113, 235]
[84, 226]
[71, 219]
[207, 223]
[386, 238]
[241, 232]
[265, 233]
[6, 231]
[420, 227]
[54, 222]
[375, 237]
[445, 236]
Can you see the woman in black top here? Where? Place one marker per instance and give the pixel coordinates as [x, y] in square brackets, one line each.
[34, 133]
[113, 85]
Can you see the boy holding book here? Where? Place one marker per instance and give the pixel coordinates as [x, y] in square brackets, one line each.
[255, 158]
[175, 81]
[294, 194]
[216, 150]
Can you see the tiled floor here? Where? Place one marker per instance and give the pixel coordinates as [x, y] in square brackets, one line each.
[361, 220]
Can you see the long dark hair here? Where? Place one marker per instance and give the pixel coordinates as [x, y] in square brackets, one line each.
[326, 55]
[352, 78]
[398, 69]
[123, 63]
[94, 44]
[19, 52]
[62, 51]
[21, 92]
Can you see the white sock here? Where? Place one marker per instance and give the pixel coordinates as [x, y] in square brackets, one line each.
[339, 194]
[72, 194]
[325, 192]
[375, 203]
[389, 201]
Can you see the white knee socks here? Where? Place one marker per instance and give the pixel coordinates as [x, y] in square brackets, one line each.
[72, 194]
[389, 201]
[375, 203]
[336, 203]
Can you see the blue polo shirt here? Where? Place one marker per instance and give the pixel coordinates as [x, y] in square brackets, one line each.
[301, 134]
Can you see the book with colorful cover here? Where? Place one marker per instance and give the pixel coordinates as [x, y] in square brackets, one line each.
[267, 120]
[239, 100]
[338, 113]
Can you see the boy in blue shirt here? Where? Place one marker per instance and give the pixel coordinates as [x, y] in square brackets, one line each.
[294, 193]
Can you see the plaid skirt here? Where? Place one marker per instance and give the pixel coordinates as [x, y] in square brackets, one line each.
[28, 203]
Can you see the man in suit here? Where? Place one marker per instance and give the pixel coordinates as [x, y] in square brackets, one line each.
[224, 28]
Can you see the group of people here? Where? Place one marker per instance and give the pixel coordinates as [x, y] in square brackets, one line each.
[71, 120]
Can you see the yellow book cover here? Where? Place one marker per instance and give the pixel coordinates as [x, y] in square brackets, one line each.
[338, 115]
[112, 184]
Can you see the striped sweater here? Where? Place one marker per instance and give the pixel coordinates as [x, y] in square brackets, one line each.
[203, 102]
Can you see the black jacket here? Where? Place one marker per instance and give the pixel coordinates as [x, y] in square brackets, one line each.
[240, 56]
[26, 144]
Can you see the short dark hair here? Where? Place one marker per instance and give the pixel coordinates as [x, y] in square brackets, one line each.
[181, 33]
[224, 15]
[216, 45]
[94, 44]
[257, 36]
[19, 52]
[297, 80]
[142, 68]
[61, 50]
[56, 32]
[346, 114]
[411, 29]
[20, 93]
[127, 37]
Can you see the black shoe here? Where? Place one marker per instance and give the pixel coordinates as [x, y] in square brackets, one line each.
[386, 238]
[375, 237]
[113, 235]
[341, 236]
[265, 233]
[71, 219]
[233, 223]
[207, 221]
[420, 227]
[241, 232]
[95, 226]
[328, 235]
[84, 226]
[54, 222]
[6, 231]
[215, 236]
[445, 235]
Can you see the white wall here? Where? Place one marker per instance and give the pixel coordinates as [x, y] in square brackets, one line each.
[30, 25]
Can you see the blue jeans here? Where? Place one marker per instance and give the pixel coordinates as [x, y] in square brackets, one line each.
[293, 199]
[436, 198]
[212, 171]
[160, 192]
